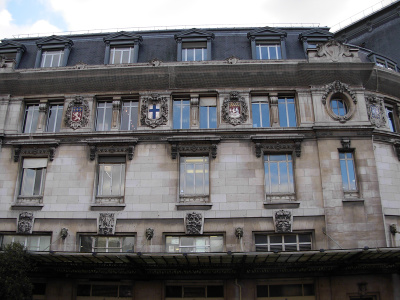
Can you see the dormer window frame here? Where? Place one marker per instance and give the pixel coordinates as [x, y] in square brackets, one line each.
[194, 36]
[267, 35]
[9, 46]
[314, 36]
[124, 40]
[53, 43]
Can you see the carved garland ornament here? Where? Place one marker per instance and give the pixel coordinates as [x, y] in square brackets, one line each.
[376, 111]
[106, 224]
[77, 114]
[234, 109]
[283, 220]
[154, 111]
[194, 223]
[25, 222]
[344, 93]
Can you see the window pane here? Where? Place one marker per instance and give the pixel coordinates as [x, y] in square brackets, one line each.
[173, 291]
[273, 52]
[390, 118]
[264, 52]
[189, 179]
[83, 290]
[86, 244]
[262, 290]
[284, 180]
[186, 115]
[31, 118]
[216, 243]
[352, 176]
[37, 189]
[129, 116]
[181, 114]
[105, 290]
[128, 244]
[199, 54]
[255, 107]
[261, 239]
[190, 54]
[194, 291]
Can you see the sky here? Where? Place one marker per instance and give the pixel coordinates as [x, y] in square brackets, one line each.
[18, 18]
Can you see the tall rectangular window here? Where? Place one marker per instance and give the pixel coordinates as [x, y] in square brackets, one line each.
[268, 51]
[33, 174]
[390, 118]
[129, 115]
[278, 173]
[260, 112]
[287, 112]
[104, 116]
[52, 59]
[348, 171]
[31, 118]
[111, 181]
[194, 176]
[30, 242]
[181, 111]
[208, 112]
[54, 118]
[121, 55]
[194, 51]
[188, 244]
[107, 244]
[285, 242]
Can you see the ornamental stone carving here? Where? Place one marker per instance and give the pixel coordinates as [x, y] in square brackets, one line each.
[239, 232]
[25, 223]
[283, 220]
[77, 114]
[277, 144]
[376, 111]
[112, 146]
[149, 233]
[154, 111]
[346, 144]
[34, 148]
[106, 224]
[333, 51]
[194, 145]
[194, 223]
[234, 109]
[339, 90]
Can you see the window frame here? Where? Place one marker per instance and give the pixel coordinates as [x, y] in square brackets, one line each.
[34, 119]
[52, 54]
[105, 115]
[122, 39]
[196, 37]
[202, 46]
[113, 49]
[288, 112]
[27, 238]
[133, 108]
[58, 116]
[218, 237]
[391, 121]
[112, 161]
[209, 114]
[194, 285]
[179, 113]
[284, 244]
[257, 104]
[349, 189]
[290, 173]
[131, 242]
[271, 45]
[42, 166]
[183, 179]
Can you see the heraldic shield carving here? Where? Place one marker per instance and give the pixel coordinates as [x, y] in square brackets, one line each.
[234, 109]
[106, 223]
[154, 111]
[283, 221]
[194, 223]
[25, 222]
[376, 111]
[77, 114]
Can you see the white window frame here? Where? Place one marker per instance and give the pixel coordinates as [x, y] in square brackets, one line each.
[346, 160]
[33, 111]
[102, 173]
[275, 46]
[290, 171]
[122, 50]
[171, 245]
[203, 190]
[33, 164]
[298, 244]
[26, 242]
[57, 108]
[107, 248]
[203, 53]
[101, 113]
[51, 54]
[390, 121]
[130, 106]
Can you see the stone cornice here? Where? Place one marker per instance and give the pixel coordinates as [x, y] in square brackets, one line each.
[34, 148]
[278, 143]
[111, 146]
[194, 145]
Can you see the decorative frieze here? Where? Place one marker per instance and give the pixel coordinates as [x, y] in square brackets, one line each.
[194, 223]
[106, 224]
[283, 220]
[277, 144]
[154, 111]
[194, 145]
[25, 223]
[77, 113]
[376, 111]
[234, 109]
[34, 148]
[112, 146]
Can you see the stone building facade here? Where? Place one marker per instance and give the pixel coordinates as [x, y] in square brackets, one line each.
[237, 163]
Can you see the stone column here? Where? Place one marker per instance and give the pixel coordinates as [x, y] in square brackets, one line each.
[194, 111]
[273, 100]
[43, 107]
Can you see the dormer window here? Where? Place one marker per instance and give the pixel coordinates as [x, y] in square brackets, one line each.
[313, 37]
[12, 51]
[194, 45]
[122, 48]
[268, 43]
[53, 51]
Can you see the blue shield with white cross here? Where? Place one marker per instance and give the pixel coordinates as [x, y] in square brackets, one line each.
[154, 111]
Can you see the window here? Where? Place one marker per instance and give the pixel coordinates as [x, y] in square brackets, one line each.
[194, 176]
[190, 244]
[104, 116]
[278, 174]
[287, 112]
[33, 174]
[194, 291]
[52, 59]
[30, 242]
[390, 118]
[338, 107]
[54, 117]
[194, 51]
[104, 291]
[297, 291]
[260, 110]
[111, 180]
[348, 171]
[283, 242]
[107, 243]
[121, 55]
[208, 112]
[129, 115]
[31, 118]
[181, 111]
[268, 51]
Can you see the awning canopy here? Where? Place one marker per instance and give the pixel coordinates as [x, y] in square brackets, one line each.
[144, 266]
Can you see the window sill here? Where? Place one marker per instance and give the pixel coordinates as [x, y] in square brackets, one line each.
[353, 200]
[194, 206]
[108, 203]
[289, 197]
[28, 202]
[281, 204]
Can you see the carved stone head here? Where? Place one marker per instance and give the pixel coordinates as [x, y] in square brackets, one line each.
[149, 233]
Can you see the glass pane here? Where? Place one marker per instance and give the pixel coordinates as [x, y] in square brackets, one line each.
[261, 239]
[199, 179]
[100, 242]
[262, 290]
[199, 54]
[345, 179]
[213, 116]
[303, 238]
[187, 241]
[128, 244]
[33, 243]
[274, 177]
[86, 244]
[114, 244]
[117, 57]
[308, 289]
[194, 291]
[284, 180]
[37, 189]
[272, 52]
[278, 51]
[275, 239]
[105, 177]
[190, 54]
[186, 115]
[20, 239]
[352, 176]
[264, 52]
[291, 113]
[31, 118]
[105, 290]
[204, 117]
[177, 114]
[290, 239]
[129, 116]
[117, 180]
[189, 179]
[256, 115]
[283, 121]
[304, 247]
[216, 244]
[108, 117]
[125, 55]
[173, 291]
[265, 114]
[28, 180]
[276, 247]
[261, 248]
[44, 244]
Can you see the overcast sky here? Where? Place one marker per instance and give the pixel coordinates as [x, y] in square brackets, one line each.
[46, 17]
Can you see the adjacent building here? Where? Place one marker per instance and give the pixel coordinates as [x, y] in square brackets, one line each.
[233, 163]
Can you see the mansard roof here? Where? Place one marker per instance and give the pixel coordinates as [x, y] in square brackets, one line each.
[122, 36]
[54, 40]
[11, 46]
[316, 33]
[194, 33]
[266, 32]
